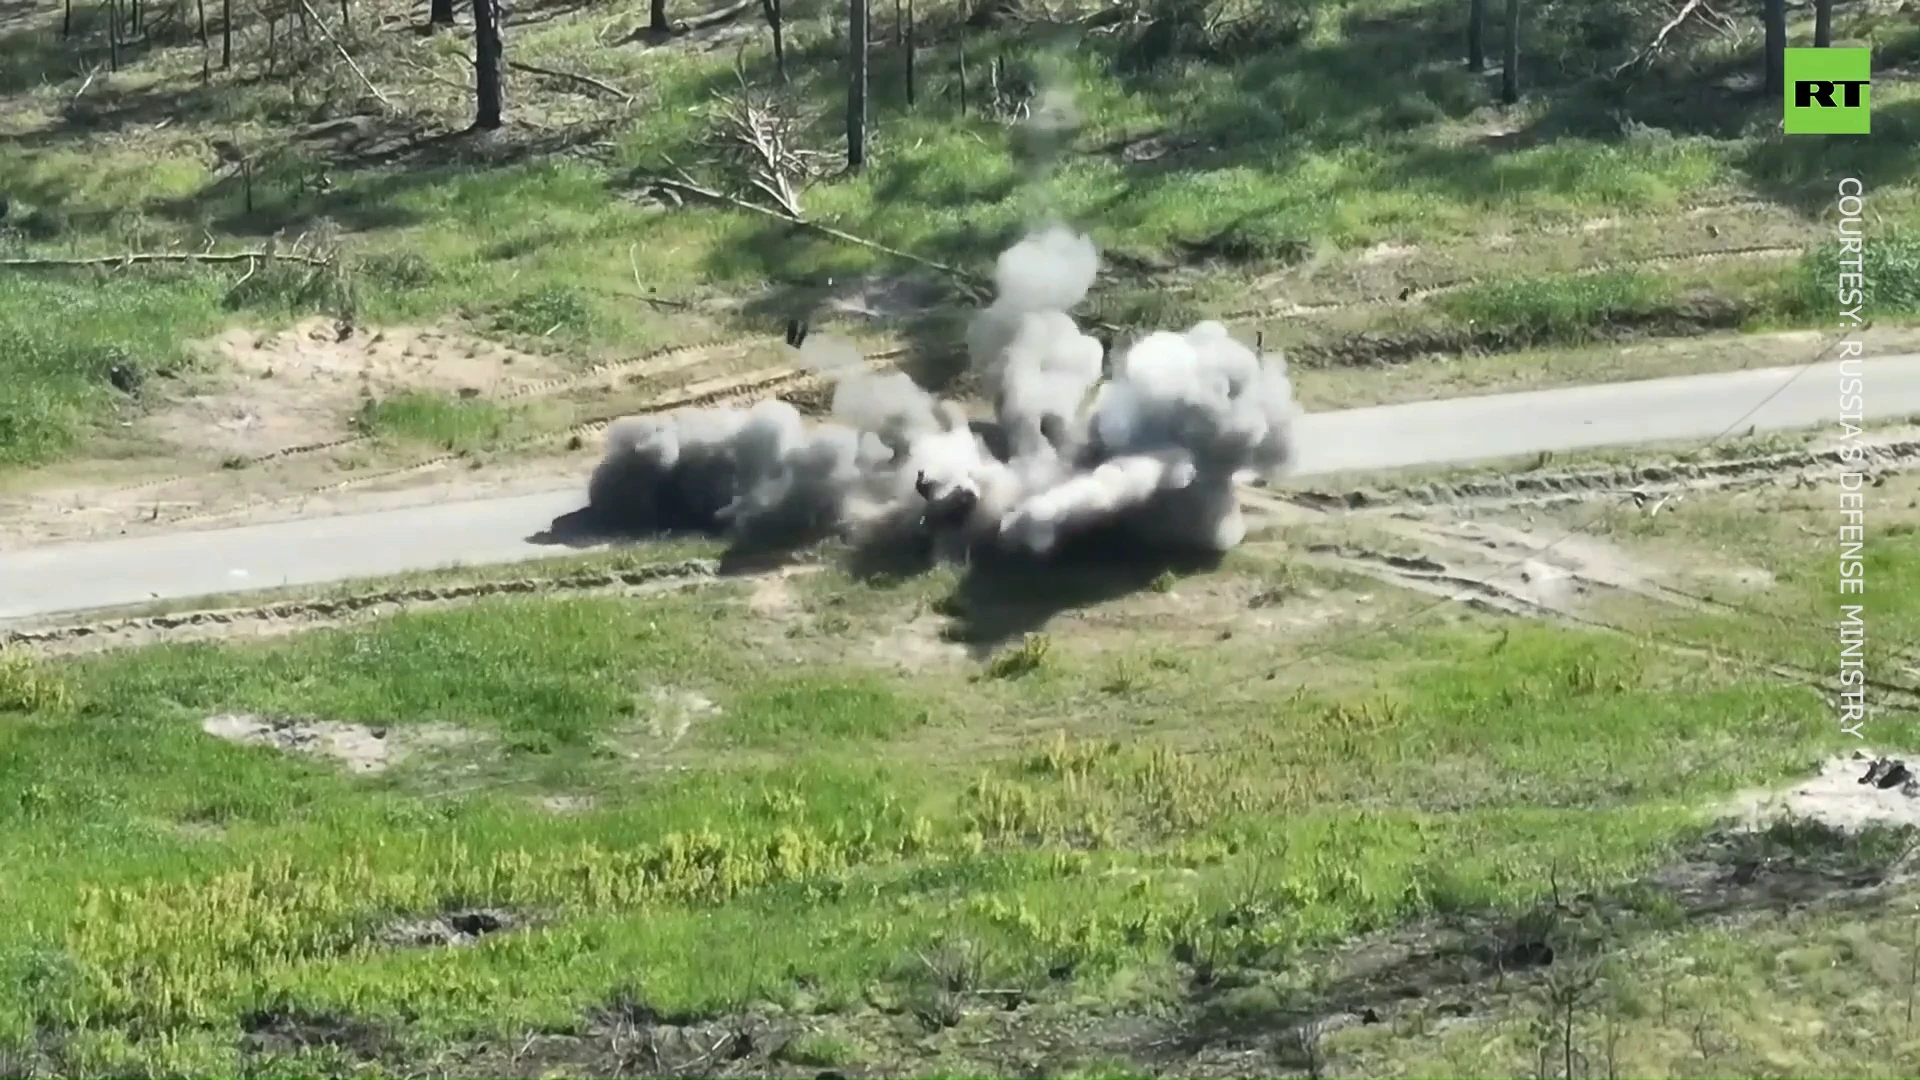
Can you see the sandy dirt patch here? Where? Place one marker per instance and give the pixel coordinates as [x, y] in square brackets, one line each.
[1851, 792]
[773, 594]
[362, 749]
[919, 644]
[303, 385]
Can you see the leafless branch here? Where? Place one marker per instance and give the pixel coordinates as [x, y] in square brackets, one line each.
[1687, 10]
[345, 55]
[464, 88]
[681, 183]
[761, 136]
[640, 291]
[252, 266]
[715, 18]
[568, 76]
[92, 74]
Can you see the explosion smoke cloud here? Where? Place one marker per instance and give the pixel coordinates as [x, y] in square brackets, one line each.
[1154, 449]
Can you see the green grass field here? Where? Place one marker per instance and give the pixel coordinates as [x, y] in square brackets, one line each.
[873, 808]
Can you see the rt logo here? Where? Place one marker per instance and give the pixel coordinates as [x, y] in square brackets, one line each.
[1827, 91]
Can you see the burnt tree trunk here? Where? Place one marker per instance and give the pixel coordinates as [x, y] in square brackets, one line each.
[1510, 73]
[66, 19]
[113, 35]
[226, 34]
[1476, 35]
[346, 21]
[657, 17]
[857, 39]
[771, 9]
[489, 93]
[206, 48]
[440, 13]
[1775, 14]
[1822, 24]
[911, 91]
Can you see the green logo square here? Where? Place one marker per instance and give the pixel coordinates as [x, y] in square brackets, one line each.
[1827, 91]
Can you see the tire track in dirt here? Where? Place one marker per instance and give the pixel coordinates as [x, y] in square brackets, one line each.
[1487, 594]
[1525, 555]
[1643, 482]
[1414, 297]
[294, 615]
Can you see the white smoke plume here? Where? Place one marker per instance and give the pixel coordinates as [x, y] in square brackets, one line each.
[1153, 449]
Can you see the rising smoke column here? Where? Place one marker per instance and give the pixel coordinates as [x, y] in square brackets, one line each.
[1155, 450]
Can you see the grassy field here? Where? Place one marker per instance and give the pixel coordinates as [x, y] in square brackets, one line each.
[961, 825]
[1289, 155]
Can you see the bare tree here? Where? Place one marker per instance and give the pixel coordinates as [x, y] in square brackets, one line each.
[775, 23]
[66, 19]
[206, 49]
[489, 93]
[346, 22]
[857, 39]
[1510, 73]
[911, 92]
[657, 17]
[113, 34]
[1476, 35]
[440, 13]
[1775, 14]
[1822, 24]
[226, 34]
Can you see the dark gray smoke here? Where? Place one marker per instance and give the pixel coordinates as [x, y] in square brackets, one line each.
[1155, 449]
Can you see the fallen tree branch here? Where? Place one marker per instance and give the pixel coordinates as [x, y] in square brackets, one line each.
[347, 56]
[133, 257]
[686, 184]
[464, 88]
[1659, 42]
[715, 18]
[572, 77]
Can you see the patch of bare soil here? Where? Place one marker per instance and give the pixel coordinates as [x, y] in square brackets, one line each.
[919, 644]
[773, 595]
[363, 750]
[302, 386]
[565, 804]
[1849, 793]
[296, 389]
[451, 930]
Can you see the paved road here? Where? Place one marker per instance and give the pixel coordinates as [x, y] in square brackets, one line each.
[114, 573]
